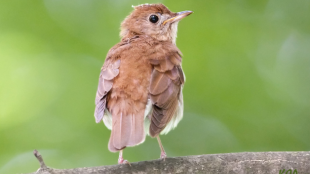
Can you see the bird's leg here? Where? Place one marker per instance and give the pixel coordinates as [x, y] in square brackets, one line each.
[121, 159]
[163, 154]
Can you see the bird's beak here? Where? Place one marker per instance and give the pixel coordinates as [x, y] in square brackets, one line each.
[178, 17]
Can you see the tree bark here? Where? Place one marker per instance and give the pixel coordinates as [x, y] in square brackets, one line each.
[230, 163]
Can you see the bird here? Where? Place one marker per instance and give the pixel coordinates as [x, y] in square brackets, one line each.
[140, 84]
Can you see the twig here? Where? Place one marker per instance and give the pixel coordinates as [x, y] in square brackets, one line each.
[241, 163]
[40, 159]
[43, 168]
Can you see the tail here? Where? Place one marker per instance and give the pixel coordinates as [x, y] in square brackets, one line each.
[127, 130]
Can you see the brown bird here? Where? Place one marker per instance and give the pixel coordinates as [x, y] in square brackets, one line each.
[140, 84]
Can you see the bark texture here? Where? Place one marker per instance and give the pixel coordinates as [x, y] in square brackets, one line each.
[230, 163]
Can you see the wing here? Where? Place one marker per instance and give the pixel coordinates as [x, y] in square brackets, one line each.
[108, 72]
[165, 91]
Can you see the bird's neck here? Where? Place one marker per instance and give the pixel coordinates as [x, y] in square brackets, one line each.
[129, 34]
[169, 34]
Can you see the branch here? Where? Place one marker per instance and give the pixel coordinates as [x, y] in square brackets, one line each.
[246, 162]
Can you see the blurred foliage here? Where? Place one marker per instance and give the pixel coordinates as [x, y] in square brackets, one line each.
[247, 67]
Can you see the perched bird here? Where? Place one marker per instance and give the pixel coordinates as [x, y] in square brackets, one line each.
[140, 84]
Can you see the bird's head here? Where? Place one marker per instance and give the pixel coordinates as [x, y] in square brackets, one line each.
[154, 20]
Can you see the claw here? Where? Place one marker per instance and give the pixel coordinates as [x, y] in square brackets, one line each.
[121, 159]
[163, 155]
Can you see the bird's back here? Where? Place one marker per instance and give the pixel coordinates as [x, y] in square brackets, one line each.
[147, 68]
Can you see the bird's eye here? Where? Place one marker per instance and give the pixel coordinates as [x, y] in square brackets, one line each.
[153, 18]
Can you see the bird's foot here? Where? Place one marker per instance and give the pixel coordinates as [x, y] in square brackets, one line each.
[122, 161]
[163, 155]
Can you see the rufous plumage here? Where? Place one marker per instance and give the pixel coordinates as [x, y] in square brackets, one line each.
[140, 84]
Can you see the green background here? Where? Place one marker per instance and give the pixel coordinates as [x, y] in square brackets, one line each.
[247, 66]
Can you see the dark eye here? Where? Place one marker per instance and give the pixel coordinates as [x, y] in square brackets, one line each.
[153, 18]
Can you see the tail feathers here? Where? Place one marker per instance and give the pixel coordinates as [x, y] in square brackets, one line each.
[127, 130]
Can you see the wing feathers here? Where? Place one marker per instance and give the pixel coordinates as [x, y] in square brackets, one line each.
[164, 99]
[108, 72]
[173, 74]
[160, 118]
[159, 82]
[165, 88]
[164, 65]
